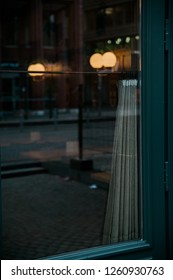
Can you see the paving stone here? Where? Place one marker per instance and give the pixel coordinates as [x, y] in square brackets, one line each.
[45, 215]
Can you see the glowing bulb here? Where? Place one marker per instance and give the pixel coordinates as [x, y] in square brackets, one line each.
[118, 41]
[109, 59]
[96, 60]
[127, 39]
[36, 67]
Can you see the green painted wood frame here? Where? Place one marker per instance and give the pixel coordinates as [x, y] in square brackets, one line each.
[170, 133]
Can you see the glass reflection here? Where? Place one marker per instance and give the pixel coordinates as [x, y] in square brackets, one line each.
[72, 124]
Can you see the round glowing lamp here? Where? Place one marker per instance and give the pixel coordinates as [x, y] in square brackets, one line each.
[96, 60]
[109, 59]
[36, 69]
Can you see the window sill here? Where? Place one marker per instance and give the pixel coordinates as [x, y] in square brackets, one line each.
[127, 250]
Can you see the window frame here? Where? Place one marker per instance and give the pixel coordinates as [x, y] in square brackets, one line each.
[170, 131]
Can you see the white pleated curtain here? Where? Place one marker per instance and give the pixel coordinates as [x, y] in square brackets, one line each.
[121, 221]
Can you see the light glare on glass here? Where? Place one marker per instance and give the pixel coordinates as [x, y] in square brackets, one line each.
[36, 68]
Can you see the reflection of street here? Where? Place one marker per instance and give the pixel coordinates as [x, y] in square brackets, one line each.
[42, 143]
[35, 143]
[47, 214]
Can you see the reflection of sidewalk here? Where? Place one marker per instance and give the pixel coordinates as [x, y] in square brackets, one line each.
[44, 144]
[48, 214]
[61, 117]
[99, 174]
[58, 209]
[10, 122]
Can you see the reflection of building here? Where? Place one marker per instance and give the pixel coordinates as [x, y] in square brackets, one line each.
[111, 26]
[37, 30]
[48, 31]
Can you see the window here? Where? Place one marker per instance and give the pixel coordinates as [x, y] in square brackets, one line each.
[10, 30]
[109, 12]
[100, 21]
[49, 29]
[119, 15]
[90, 138]
[90, 21]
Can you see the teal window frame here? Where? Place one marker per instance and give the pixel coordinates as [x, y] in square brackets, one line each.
[170, 132]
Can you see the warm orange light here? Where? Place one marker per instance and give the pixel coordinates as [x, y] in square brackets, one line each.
[109, 59]
[36, 69]
[96, 61]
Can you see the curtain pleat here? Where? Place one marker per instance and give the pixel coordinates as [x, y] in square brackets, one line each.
[121, 220]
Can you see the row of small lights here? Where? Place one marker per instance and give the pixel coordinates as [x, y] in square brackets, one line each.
[119, 40]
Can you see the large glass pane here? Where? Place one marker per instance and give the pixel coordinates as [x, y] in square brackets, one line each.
[70, 125]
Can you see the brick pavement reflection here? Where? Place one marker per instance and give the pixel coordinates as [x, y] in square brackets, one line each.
[46, 214]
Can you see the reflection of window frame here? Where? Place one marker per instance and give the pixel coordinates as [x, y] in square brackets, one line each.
[119, 15]
[48, 29]
[113, 94]
[99, 20]
[130, 11]
[109, 14]
[90, 24]
[27, 32]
